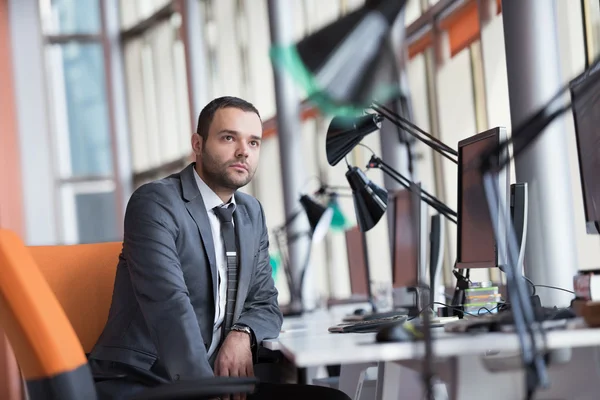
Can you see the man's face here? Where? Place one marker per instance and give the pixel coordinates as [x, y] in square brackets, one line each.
[229, 156]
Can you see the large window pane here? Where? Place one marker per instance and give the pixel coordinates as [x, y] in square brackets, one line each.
[456, 118]
[96, 217]
[70, 16]
[157, 91]
[134, 11]
[89, 212]
[80, 108]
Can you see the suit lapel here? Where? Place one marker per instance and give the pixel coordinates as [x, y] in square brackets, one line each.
[243, 227]
[197, 210]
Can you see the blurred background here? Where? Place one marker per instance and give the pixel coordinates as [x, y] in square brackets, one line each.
[101, 96]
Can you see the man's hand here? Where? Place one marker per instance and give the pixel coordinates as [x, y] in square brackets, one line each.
[235, 357]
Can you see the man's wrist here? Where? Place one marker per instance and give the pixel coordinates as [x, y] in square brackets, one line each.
[243, 328]
[242, 331]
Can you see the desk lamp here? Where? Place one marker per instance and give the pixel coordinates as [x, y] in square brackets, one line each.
[344, 133]
[337, 65]
[370, 202]
[319, 219]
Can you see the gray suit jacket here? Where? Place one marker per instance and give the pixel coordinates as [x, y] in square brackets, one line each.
[163, 306]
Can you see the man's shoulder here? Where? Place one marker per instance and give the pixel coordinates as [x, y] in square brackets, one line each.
[250, 202]
[166, 189]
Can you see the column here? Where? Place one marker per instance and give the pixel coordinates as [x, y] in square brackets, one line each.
[289, 130]
[532, 60]
[394, 152]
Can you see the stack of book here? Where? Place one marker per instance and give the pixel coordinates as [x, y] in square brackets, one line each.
[586, 285]
[481, 298]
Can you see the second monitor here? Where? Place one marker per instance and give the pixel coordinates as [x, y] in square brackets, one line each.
[409, 266]
[477, 246]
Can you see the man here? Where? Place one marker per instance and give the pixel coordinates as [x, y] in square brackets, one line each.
[193, 294]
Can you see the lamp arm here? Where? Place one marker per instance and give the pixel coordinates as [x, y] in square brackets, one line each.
[423, 194]
[410, 128]
[497, 158]
[288, 221]
[284, 261]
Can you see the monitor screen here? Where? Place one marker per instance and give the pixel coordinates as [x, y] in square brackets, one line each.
[476, 244]
[357, 262]
[585, 97]
[405, 271]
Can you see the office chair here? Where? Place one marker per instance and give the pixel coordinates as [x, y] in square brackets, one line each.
[49, 353]
[81, 277]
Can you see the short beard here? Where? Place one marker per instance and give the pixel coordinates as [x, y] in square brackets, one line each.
[217, 174]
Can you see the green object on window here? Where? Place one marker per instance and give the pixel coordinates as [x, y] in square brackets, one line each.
[275, 261]
[338, 222]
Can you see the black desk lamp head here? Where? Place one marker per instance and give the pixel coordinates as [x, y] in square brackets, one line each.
[370, 200]
[319, 217]
[336, 64]
[345, 133]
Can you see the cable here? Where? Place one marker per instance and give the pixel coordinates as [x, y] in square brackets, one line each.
[551, 287]
[440, 304]
[367, 147]
[531, 283]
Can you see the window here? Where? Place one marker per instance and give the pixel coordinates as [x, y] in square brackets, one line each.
[134, 11]
[82, 132]
[78, 90]
[591, 16]
[157, 89]
[64, 17]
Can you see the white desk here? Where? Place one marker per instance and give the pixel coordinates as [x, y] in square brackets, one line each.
[471, 364]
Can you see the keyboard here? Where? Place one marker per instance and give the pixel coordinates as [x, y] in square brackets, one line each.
[374, 316]
[371, 325]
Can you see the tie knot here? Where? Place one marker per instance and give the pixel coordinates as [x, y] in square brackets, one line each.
[225, 212]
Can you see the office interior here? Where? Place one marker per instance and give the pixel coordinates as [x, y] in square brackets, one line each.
[101, 96]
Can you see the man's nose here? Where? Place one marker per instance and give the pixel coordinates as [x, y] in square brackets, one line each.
[242, 150]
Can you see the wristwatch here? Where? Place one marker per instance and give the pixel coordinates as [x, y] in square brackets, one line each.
[242, 328]
[246, 329]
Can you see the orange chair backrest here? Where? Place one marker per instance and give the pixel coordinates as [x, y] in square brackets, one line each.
[82, 278]
[44, 342]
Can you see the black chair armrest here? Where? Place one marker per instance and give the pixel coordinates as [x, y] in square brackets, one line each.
[99, 377]
[198, 389]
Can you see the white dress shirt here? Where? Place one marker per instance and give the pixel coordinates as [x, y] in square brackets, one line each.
[211, 200]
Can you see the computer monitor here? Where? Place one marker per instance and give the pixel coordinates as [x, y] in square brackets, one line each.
[477, 245]
[357, 261]
[408, 250]
[585, 100]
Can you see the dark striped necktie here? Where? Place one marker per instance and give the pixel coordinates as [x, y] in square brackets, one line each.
[225, 215]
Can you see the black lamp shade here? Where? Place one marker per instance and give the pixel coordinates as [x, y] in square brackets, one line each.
[370, 200]
[319, 217]
[337, 64]
[345, 133]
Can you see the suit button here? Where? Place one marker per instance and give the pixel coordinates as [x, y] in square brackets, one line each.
[176, 377]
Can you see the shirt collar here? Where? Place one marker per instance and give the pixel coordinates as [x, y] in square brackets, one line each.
[210, 198]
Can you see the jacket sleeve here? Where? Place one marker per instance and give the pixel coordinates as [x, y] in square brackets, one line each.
[160, 288]
[261, 310]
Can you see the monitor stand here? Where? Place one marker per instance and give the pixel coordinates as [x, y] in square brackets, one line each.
[411, 299]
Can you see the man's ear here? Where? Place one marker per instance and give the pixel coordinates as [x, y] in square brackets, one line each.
[197, 143]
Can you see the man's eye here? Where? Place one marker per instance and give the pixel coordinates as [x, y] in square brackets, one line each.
[254, 143]
[228, 137]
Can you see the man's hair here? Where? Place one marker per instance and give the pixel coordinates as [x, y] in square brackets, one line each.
[208, 112]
